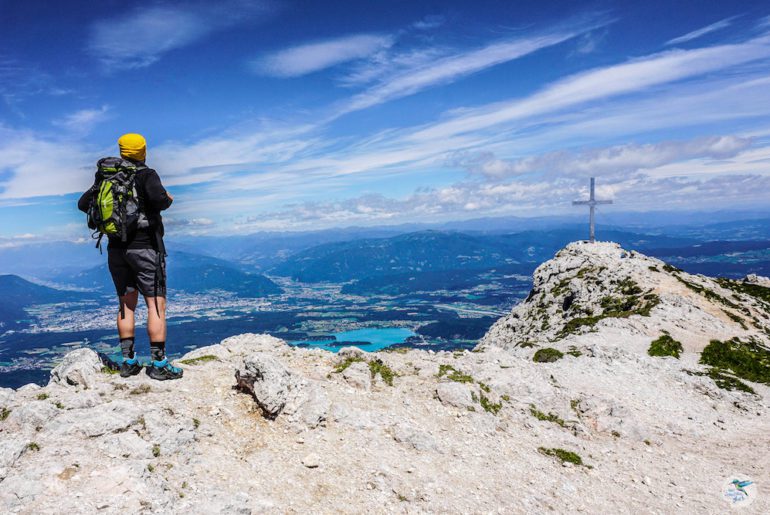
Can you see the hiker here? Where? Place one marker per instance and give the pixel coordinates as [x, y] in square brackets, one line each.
[124, 203]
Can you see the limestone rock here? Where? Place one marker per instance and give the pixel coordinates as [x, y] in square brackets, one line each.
[11, 450]
[759, 280]
[358, 376]
[418, 439]
[276, 390]
[591, 291]
[269, 381]
[455, 394]
[78, 368]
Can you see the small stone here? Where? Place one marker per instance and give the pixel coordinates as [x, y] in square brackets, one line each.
[311, 461]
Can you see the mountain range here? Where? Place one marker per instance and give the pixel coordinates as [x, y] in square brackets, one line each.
[189, 273]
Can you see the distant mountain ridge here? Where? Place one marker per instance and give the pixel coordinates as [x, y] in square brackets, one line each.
[190, 273]
[433, 251]
[17, 293]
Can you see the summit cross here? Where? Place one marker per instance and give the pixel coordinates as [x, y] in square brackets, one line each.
[591, 203]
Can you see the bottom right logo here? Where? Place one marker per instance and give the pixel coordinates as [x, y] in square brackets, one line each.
[739, 491]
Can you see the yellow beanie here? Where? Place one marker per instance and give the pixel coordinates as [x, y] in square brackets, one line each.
[133, 146]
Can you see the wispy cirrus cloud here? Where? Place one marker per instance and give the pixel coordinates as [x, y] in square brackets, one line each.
[141, 37]
[400, 74]
[708, 29]
[83, 121]
[319, 55]
[633, 76]
[430, 22]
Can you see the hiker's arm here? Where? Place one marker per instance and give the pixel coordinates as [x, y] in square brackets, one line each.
[157, 196]
[85, 198]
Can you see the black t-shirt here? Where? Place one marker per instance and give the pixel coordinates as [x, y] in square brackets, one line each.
[153, 198]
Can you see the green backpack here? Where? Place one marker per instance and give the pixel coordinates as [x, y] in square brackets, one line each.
[115, 209]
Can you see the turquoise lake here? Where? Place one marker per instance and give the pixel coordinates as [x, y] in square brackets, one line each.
[377, 338]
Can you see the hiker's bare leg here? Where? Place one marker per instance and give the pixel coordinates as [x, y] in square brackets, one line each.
[126, 320]
[156, 325]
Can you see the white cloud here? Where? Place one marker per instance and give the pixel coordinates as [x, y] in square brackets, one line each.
[82, 122]
[626, 158]
[404, 74]
[141, 37]
[721, 24]
[41, 166]
[312, 57]
[430, 22]
[473, 199]
[633, 76]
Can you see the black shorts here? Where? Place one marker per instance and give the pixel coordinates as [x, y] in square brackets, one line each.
[142, 269]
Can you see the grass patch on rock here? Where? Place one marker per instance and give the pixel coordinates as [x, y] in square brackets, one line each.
[723, 380]
[550, 417]
[42, 396]
[760, 293]
[749, 360]
[706, 292]
[665, 345]
[346, 363]
[376, 367]
[563, 455]
[453, 374]
[547, 355]
[140, 390]
[110, 371]
[4, 414]
[573, 351]
[629, 300]
[199, 360]
[489, 406]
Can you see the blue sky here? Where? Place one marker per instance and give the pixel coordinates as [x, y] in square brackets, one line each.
[274, 115]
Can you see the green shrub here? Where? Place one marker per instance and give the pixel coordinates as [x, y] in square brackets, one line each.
[665, 346]
[547, 355]
[747, 360]
[345, 364]
[376, 366]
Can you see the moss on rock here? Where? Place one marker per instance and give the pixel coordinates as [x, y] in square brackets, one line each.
[665, 345]
[547, 355]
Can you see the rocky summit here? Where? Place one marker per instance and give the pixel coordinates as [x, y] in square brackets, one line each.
[621, 385]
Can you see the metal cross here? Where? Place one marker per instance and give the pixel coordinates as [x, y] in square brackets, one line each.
[591, 203]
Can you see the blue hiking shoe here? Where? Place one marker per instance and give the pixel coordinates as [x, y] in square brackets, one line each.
[130, 367]
[163, 370]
